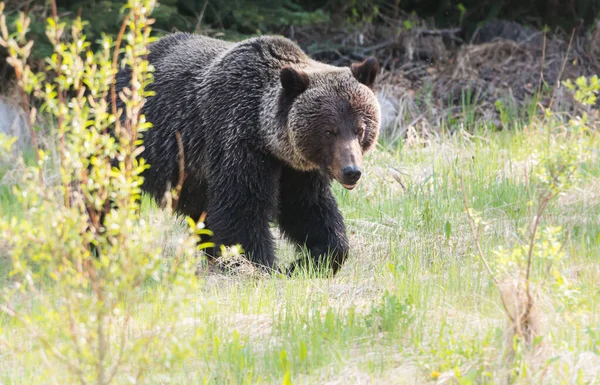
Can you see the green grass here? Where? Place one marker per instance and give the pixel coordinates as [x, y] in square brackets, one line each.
[412, 305]
[9, 205]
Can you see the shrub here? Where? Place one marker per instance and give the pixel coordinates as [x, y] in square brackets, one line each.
[79, 305]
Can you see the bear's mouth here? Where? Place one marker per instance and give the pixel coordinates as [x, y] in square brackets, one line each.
[340, 180]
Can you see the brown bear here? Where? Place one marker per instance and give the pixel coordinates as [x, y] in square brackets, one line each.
[265, 129]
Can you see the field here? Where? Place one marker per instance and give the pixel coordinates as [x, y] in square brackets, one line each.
[414, 304]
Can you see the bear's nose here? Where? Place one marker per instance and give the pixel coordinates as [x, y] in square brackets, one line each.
[351, 174]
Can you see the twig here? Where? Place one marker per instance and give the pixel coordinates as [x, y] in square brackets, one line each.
[379, 46]
[22, 94]
[475, 233]
[200, 17]
[524, 317]
[30, 121]
[74, 334]
[113, 372]
[181, 169]
[449, 33]
[98, 290]
[543, 60]
[557, 84]
[402, 131]
[61, 102]
[478, 245]
[541, 208]
[113, 92]
[45, 343]
[397, 178]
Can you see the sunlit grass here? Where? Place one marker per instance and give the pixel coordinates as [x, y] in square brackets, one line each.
[413, 304]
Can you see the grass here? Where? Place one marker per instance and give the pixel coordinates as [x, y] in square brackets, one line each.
[413, 305]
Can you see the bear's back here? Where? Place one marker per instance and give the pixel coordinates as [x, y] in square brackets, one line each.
[179, 59]
[180, 52]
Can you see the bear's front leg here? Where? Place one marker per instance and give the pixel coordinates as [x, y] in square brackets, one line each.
[309, 216]
[242, 197]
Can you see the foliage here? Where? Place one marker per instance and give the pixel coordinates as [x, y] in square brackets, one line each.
[362, 12]
[538, 259]
[235, 19]
[240, 17]
[409, 303]
[6, 142]
[257, 17]
[586, 90]
[391, 313]
[82, 277]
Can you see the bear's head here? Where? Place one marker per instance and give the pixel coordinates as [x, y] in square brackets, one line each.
[332, 117]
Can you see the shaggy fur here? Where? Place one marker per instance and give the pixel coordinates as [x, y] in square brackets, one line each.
[265, 129]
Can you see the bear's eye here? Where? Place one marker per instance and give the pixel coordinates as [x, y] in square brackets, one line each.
[329, 133]
[360, 130]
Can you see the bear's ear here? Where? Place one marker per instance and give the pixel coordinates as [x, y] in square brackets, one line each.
[366, 72]
[294, 82]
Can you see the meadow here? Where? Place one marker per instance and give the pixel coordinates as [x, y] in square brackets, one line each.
[475, 252]
[413, 304]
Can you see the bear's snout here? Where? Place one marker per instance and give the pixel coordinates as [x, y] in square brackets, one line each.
[347, 162]
[350, 175]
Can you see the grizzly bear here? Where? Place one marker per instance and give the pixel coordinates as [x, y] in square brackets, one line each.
[265, 129]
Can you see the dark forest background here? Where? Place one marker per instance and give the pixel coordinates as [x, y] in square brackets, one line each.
[235, 19]
[442, 60]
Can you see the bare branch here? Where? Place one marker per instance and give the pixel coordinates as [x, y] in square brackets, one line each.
[113, 92]
[61, 102]
[181, 170]
[113, 372]
[479, 250]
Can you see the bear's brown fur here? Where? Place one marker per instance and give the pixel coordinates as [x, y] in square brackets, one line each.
[264, 129]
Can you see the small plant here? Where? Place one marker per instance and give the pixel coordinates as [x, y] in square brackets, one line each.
[75, 279]
[6, 143]
[537, 263]
[508, 113]
[462, 13]
[361, 12]
[391, 313]
[585, 90]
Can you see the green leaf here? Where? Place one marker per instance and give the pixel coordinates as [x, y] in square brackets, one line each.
[303, 351]
[287, 378]
[283, 360]
[6, 141]
[447, 229]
